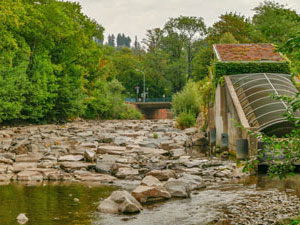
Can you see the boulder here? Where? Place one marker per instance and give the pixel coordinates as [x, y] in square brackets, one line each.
[89, 155]
[127, 172]
[176, 153]
[191, 130]
[29, 176]
[151, 182]
[162, 175]
[120, 202]
[195, 182]
[108, 206]
[178, 188]
[199, 139]
[145, 194]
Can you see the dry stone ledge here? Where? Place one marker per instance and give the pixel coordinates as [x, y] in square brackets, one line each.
[30, 176]
[71, 166]
[114, 150]
[120, 202]
[21, 166]
[70, 158]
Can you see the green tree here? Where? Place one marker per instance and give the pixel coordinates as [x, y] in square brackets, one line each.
[153, 39]
[228, 38]
[238, 25]
[187, 29]
[275, 21]
[111, 40]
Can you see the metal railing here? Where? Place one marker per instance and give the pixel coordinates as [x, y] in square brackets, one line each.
[149, 100]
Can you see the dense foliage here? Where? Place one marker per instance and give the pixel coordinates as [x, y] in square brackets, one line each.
[230, 68]
[52, 70]
[185, 120]
[191, 101]
[282, 154]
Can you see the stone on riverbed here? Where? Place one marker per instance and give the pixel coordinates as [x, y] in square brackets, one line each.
[113, 150]
[71, 166]
[178, 188]
[70, 158]
[89, 155]
[29, 176]
[151, 182]
[195, 182]
[22, 218]
[145, 194]
[127, 172]
[162, 175]
[88, 176]
[120, 202]
[5, 177]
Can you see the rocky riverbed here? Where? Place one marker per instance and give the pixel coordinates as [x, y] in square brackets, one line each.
[152, 160]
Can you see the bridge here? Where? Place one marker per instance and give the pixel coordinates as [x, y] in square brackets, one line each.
[153, 108]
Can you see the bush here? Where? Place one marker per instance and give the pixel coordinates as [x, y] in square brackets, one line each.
[130, 113]
[106, 101]
[188, 100]
[185, 120]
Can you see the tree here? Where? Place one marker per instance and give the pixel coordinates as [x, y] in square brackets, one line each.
[202, 60]
[239, 26]
[228, 38]
[137, 46]
[111, 40]
[154, 39]
[188, 30]
[123, 41]
[275, 21]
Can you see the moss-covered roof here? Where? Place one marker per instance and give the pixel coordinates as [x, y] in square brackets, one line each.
[247, 52]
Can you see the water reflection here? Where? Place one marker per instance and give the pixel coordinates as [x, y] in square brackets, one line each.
[51, 204]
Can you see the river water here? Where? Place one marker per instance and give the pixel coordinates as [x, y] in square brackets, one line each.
[54, 204]
[50, 204]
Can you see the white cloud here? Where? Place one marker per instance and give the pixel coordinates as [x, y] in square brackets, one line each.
[134, 17]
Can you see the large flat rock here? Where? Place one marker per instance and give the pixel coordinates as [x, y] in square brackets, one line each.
[113, 150]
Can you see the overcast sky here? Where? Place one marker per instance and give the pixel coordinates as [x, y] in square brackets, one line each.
[134, 17]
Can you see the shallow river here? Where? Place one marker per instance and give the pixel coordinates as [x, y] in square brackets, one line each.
[53, 204]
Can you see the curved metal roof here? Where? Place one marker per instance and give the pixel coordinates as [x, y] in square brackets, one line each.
[254, 92]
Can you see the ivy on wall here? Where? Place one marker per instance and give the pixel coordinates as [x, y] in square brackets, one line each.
[230, 68]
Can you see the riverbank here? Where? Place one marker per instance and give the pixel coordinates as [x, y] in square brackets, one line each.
[123, 153]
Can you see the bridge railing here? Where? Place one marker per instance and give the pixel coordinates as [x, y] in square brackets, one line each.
[149, 100]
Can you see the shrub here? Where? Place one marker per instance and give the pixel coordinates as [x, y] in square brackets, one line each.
[130, 113]
[185, 120]
[188, 100]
